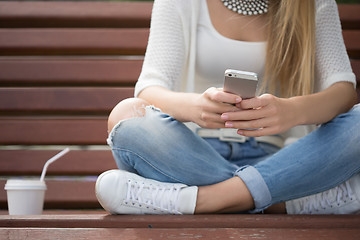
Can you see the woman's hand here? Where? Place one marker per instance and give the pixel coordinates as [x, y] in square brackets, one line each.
[210, 105]
[264, 115]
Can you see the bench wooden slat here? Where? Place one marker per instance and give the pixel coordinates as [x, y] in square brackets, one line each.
[62, 212]
[274, 221]
[76, 162]
[69, 71]
[179, 233]
[63, 100]
[356, 69]
[75, 14]
[53, 131]
[349, 15]
[98, 41]
[352, 42]
[73, 41]
[105, 14]
[64, 194]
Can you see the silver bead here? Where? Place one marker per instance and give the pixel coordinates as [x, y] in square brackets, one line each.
[247, 7]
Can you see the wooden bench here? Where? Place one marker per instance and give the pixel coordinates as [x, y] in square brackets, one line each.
[63, 67]
[228, 226]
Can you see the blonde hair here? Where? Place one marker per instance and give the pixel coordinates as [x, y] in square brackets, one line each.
[290, 57]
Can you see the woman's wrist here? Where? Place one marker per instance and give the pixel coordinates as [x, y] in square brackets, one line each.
[177, 104]
[323, 106]
[298, 110]
[185, 109]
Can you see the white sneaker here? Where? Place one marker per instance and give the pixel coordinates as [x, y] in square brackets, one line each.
[121, 192]
[343, 199]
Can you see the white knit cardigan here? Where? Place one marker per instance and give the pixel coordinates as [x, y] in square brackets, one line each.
[170, 56]
[171, 52]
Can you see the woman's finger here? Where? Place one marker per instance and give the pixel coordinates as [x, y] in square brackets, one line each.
[211, 120]
[257, 102]
[253, 124]
[216, 94]
[258, 132]
[247, 115]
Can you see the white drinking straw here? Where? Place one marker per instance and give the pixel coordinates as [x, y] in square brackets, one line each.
[51, 160]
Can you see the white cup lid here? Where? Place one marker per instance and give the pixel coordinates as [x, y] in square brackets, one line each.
[20, 184]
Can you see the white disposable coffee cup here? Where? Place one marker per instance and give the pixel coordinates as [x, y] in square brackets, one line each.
[25, 197]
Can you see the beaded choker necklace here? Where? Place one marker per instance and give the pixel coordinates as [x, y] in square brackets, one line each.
[247, 7]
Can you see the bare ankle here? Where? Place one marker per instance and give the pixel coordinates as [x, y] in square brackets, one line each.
[231, 195]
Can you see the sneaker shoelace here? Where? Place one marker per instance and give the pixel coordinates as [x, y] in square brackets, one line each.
[153, 196]
[330, 198]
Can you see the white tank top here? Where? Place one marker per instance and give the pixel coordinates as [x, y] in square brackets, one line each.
[216, 53]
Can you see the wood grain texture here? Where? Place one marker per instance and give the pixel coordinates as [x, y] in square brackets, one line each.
[62, 100]
[37, 71]
[75, 14]
[67, 41]
[349, 15]
[262, 221]
[207, 233]
[352, 42]
[53, 131]
[74, 163]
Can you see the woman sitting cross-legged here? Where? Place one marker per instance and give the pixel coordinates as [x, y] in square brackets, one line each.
[185, 146]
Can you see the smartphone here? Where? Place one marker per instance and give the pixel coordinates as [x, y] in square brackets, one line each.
[240, 83]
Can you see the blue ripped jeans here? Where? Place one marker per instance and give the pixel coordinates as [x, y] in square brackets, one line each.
[159, 147]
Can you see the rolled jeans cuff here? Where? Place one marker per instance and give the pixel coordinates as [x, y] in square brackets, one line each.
[257, 187]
